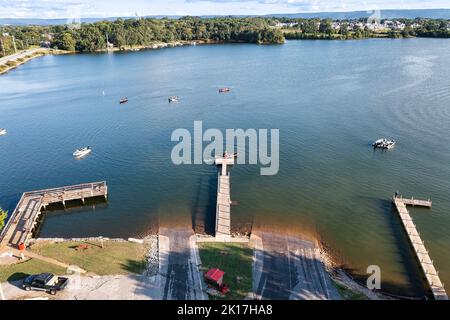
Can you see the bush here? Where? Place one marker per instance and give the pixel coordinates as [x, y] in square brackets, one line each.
[3, 216]
[11, 63]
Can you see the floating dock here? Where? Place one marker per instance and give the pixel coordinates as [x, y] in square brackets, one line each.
[422, 255]
[24, 218]
[223, 208]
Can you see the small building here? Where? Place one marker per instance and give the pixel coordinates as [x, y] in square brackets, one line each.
[215, 276]
[45, 44]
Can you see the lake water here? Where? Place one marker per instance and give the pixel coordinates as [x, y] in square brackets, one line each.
[330, 100]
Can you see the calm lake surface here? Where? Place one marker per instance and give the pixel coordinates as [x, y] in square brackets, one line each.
[330, 100]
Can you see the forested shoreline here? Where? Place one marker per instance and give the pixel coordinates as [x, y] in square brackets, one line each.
[90, 37]
[123, 34]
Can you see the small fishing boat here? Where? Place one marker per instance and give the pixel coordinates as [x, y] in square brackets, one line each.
[79, 153]
[174, 99]
[224, 90]
[2, 131]
[384, 143]
[123, 100]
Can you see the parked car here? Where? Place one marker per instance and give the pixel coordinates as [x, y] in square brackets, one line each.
[47, 282]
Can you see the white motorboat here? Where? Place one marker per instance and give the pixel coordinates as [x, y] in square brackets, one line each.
[384, 144]
[79, 153]
[2, 131]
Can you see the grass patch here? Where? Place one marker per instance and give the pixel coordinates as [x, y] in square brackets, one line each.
[114, 258]
[21, 270]
[348, 294]
[233, 258]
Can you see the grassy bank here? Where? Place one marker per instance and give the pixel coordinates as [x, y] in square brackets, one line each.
[21, 270]
[114, 258]
[349, 294]
[235, 260]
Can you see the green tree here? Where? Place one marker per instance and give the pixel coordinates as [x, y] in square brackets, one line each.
[326, 27]
[3, 216]
[64, 41]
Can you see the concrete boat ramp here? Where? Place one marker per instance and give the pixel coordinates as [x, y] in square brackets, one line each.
[287, 267]
[179, 265]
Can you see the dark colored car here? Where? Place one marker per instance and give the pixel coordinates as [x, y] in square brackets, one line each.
[45, 282]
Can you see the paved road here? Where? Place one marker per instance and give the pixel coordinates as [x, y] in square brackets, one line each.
[179, 265]
[18, 55]
[289, 268]
[120, 287]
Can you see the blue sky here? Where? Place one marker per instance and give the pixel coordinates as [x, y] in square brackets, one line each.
[112, 8]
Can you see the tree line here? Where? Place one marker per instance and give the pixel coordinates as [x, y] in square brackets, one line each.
[301, 28]
[89, 37]
[125, 33]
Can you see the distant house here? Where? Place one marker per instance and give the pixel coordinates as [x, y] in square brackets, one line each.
[394, 25]
[45, 44]
[47, 36]
[286, 24]
[336, 25]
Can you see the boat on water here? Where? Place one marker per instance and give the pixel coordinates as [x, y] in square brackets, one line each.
[79, 153]
[123, 100]
[384, 143]
[224, 90]
[2, 131]
[174, 99]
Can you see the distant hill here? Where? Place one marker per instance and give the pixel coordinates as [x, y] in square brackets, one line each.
[385, 14]
[48, 22]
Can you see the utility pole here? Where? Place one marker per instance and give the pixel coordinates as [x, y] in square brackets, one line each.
[107, 43]
[14, 43]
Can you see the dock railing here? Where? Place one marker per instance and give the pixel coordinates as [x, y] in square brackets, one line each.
[48, 196]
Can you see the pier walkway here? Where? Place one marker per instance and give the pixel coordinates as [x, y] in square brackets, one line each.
[24, 218]
[424, 259]
[223, 208]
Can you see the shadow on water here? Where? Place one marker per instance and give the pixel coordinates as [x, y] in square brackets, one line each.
[204, 205]
[70, 207]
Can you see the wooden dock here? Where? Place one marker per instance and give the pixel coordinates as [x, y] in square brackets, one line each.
[422, 255]
[24, 218]
[223, 208]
